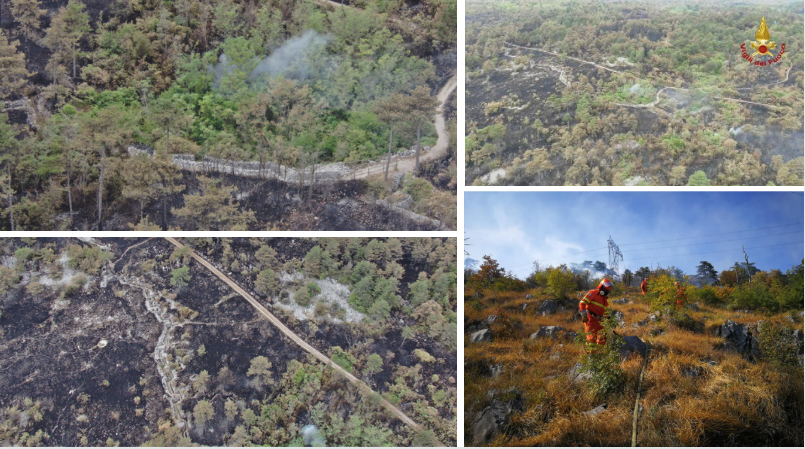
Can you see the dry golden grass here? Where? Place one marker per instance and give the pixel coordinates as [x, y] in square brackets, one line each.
[734, 402]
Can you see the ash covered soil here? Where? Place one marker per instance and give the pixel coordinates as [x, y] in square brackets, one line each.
[114, 353]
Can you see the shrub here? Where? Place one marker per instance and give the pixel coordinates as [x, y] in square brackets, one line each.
[424, 356]
[778, 343]
[318, 262]
[180, 277]
[88, 259]
[302, 296]
[755, 296]
[560, 282]
[267, 281]
[419, 189]
[707, 294]
[342, 358]
[603, 362]
[8, 279]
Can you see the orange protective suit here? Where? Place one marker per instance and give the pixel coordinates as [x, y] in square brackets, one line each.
[596, 306]
[644, 286]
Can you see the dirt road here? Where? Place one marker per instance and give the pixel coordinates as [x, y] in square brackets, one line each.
[638, 78]
[295, 338]
[406, 165]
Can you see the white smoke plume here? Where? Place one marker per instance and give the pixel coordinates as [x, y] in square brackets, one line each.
[291, 60]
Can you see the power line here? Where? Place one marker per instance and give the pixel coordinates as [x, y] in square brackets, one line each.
[721, 251]
[688, 238]
[719, 241]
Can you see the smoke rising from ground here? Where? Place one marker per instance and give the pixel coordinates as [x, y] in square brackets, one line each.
[291, 60]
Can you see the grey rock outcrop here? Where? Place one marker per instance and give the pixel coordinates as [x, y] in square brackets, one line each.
[481, 336]
[739, 338]
[548, 307]
[620, 317]
[596, 411]
[632, 345]
[528, 297]
[489, 421]
[621, 301]
[552, 332]
[576, 374]
[474, 326]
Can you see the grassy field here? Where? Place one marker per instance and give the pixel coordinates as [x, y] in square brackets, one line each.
[694, 391]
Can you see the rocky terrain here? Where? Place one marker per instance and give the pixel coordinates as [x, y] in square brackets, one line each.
[712, 376]
[132, 341]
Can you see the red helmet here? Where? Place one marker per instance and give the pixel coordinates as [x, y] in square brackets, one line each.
[606, 285]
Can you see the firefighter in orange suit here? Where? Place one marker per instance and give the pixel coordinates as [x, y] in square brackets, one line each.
[644, 286]
[593, 306]
[680, 295]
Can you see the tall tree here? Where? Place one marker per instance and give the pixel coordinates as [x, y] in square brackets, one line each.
[76, 20]
[151, 178]
[706, 273]
[8, 152]
[169, 112]
[422, 107]
[104, 129]
[391, 110]
[58, 41]
[12, 68]
[27, 13]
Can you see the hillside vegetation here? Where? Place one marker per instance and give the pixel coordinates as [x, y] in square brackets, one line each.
[135, 342]
[100, 97]
[598, 92]
[719, 372]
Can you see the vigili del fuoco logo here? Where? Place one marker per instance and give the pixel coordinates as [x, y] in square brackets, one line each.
[763, 47]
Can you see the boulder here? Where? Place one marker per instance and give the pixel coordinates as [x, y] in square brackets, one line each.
[596, 411]
[475, 326]
[481, 336]
[523, 307]
[632, 345]
[576, 374]
[397, 181]
[694, 307]
[548, 307]
[491, 319]
[620, 317]
[528, 297]
[654, 331]
[487, 423]
[570, 335]
[483, 368]
[621, 301]
[691, 371]
[653, 317]
[547, 332]
[791, 318]
[739, 338]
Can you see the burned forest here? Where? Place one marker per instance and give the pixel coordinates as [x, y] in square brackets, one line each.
[230, 115]
[625, 93]
[228, 342]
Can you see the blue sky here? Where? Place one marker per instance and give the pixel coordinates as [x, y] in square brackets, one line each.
[651, 228]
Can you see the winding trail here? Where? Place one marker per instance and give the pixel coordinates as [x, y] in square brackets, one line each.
[641, 79]
[168, 373]
[295, 338]
[407, 164]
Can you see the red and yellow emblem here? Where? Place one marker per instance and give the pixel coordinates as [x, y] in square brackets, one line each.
[764, 47]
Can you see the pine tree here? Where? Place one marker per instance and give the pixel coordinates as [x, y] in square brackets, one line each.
[422, 107]
[213, 208]
[12, 68]
[391, 110]
[27, 14]
[76, 21]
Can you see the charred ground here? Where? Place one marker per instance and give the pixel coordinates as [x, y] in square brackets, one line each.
[64, 387]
